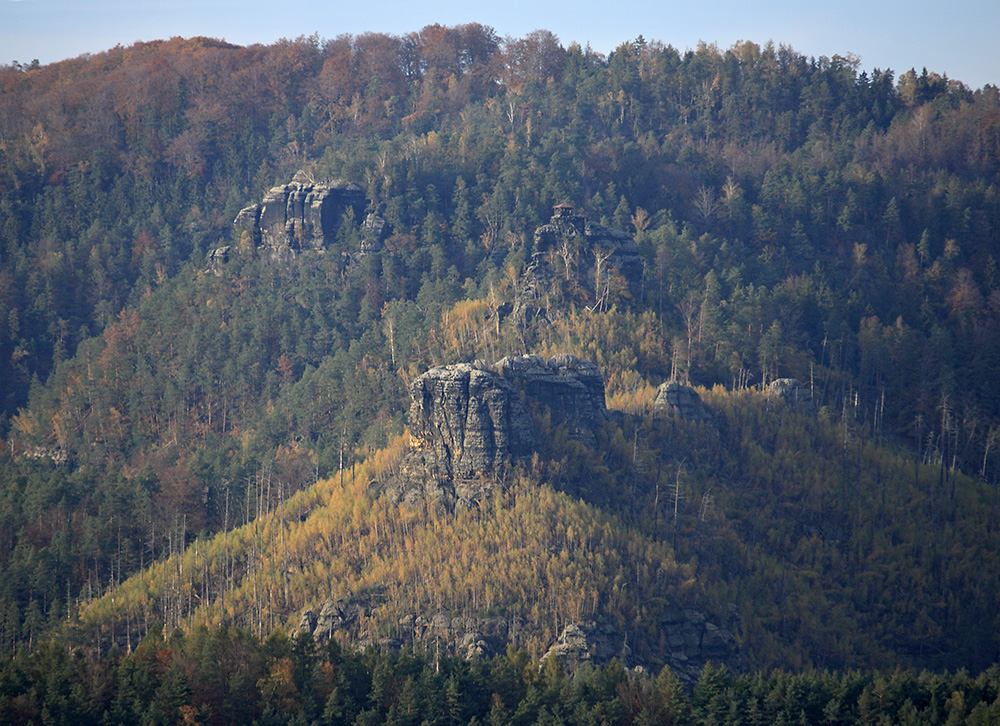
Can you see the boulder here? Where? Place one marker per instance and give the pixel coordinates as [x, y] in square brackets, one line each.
[673, 396]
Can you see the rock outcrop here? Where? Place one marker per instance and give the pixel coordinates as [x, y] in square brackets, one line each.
[585, 250]
[590, 641]
[300, 216]
[217, 258]
[693, 640]
[689, 641]
[689, 637]
[792, 392]
[467, 421]
[470, 423]
[673, 396]
[468, 636]
[571, 390]
[375, 231]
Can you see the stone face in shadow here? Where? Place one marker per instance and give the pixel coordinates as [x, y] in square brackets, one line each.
[470, 423]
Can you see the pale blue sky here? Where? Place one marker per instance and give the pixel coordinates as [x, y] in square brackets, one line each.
[959, 38]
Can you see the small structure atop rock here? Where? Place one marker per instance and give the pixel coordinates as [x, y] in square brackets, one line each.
[585, 250]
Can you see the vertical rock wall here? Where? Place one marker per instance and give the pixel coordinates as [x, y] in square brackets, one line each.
[300, 216]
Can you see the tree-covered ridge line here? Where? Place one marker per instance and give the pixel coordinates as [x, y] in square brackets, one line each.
[711, 123]
[228, 676]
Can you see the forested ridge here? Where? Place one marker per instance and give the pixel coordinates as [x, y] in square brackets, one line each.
[796, 217]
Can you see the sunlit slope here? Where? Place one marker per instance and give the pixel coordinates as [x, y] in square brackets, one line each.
[530, 553]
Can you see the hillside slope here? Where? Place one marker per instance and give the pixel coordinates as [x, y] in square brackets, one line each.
[832, 551]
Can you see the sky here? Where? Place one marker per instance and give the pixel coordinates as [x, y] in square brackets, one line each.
[958, 39]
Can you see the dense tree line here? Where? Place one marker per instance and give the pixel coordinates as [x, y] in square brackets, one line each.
[231, 677]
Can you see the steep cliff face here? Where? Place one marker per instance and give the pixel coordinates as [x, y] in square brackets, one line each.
[470, 423]
[466, 421]
[300, 216]
[569, 389]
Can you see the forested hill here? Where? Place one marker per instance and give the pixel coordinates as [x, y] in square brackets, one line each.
[795, 217]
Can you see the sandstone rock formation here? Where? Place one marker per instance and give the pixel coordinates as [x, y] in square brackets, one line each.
[590, 641]
[690, 638]
[468, 636]
[673, 396]
[586, 251]
[693, 640]
[689, 641]
[792, 392]
[217, 258]
[467, 421]
[375, 230]
[571, 390]
[300, 216]
[470, 423]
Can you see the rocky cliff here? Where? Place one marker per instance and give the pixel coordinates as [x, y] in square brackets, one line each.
[689, 639]
[469, 423]
[673, 396]
[301, 215]
[466, 420]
